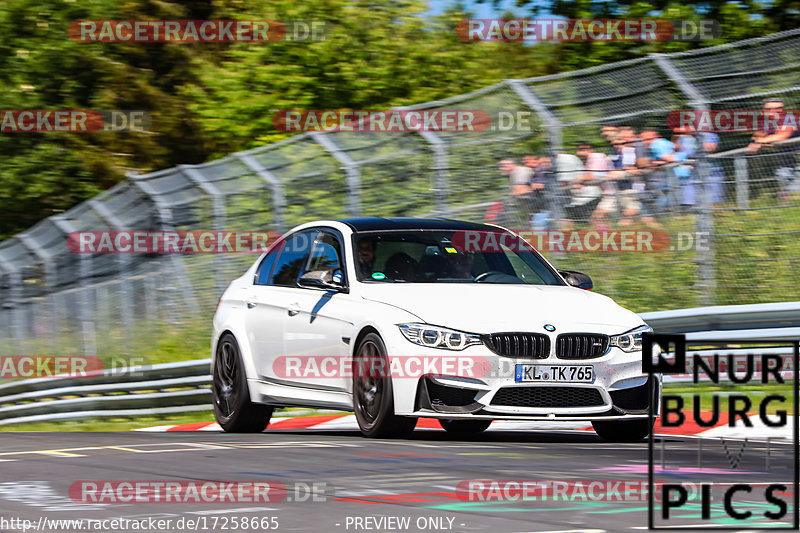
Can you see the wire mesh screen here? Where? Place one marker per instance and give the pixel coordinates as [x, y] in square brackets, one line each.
[568, 156]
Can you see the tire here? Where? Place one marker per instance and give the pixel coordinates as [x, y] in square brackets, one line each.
[622, 430]
[373, 402]
[464, 429]
[232, 406]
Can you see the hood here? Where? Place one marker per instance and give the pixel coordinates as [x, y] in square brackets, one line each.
[487, 308]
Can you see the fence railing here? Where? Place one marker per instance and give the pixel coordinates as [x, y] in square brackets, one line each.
[57, 301]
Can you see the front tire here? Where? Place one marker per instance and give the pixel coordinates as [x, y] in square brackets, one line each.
[233, 409]
[464, 429]
[622, 430]
[373, 400]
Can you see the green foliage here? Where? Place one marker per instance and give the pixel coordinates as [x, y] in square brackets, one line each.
[41, 68]
[207, 100]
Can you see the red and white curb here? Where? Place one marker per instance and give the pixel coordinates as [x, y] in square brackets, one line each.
[348, 423]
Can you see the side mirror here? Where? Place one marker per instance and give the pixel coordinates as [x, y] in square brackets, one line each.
[322, 279]
[577, 279]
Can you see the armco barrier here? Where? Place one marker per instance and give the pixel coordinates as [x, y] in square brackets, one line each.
[185, 386]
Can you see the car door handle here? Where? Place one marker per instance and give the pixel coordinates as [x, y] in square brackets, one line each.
[251, 305]
[293, 309]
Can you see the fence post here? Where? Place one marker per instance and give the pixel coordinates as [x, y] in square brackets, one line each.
[123, 262]
[47, 266]
[178, 267]
[742, 187]
[278, 197]
[351, 169]
[84, 307]
[218, 203]
[441, 167]
[127, 304]
[11, 305]
[704, 221]
[554, 132]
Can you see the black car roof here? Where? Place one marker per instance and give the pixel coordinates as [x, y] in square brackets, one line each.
[402, 223]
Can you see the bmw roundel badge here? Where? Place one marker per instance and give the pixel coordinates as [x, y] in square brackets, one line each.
[549, 327]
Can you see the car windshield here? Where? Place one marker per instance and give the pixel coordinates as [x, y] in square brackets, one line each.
[449, 256]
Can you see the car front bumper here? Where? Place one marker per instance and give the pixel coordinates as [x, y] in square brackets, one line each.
[481, 384]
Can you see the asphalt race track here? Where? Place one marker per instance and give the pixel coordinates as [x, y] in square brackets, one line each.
[360, 483]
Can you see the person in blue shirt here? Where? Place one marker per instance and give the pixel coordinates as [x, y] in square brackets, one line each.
[658, 184]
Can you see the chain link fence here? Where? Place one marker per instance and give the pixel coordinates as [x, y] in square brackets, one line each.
[746, 204]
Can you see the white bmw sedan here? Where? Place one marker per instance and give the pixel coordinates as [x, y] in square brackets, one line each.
[400, 318]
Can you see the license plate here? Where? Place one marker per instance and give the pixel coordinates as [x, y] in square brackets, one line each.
[555, 373]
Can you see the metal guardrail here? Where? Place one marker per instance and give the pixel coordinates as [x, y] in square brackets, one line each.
[185, 386]
[138, 391]
[727, 318]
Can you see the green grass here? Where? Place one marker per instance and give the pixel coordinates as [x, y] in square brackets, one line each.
[755, 269]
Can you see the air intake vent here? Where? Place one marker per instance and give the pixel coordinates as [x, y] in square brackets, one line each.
[527, 345]
[441, 395]
[548, 397]
[581, 345]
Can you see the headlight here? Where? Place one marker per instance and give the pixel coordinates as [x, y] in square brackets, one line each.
[630, 341]
[436, 337]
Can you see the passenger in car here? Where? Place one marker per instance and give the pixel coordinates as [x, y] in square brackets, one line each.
[401, 267]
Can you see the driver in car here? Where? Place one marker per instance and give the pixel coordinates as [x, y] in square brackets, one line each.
[366, 255]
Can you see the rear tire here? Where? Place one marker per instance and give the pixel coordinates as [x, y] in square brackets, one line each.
[233, 409]
[373, 399]
[464, 429]
[622, 430]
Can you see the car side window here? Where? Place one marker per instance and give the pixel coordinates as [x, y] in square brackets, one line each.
[265, 268]
[326, 254]
[293, 256]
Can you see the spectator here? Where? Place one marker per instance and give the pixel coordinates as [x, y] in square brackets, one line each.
[609, 133]
[776, 131]
[782, 166]
[540, 167]
[660, 152]
[686, 148]
[583, 197]
[623, 162]
[640, 195]
[597, 170]
[715, 184]
[519, 178]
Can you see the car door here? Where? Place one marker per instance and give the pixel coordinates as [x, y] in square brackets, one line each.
[316, 334]
[270, 302]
